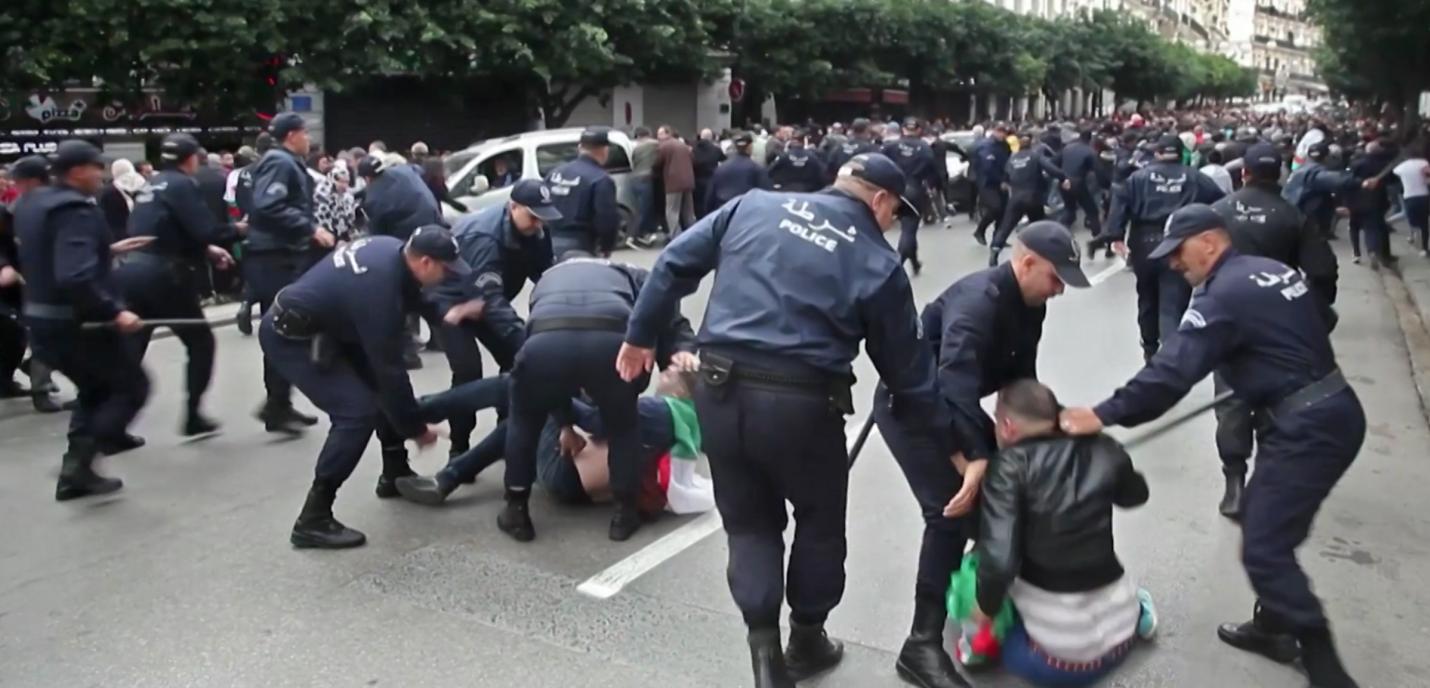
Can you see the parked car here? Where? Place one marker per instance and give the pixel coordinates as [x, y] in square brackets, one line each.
[960, 194]
[482, 175]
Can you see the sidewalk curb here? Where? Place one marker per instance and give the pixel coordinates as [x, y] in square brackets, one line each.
[1413, 328]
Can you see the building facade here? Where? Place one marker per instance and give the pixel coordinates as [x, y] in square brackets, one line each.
[1277, 39]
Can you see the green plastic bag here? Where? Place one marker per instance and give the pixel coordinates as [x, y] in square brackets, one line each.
[979, 643]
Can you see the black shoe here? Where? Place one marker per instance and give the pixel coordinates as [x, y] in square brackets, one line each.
[119, 445]
[411, 360]
[981, 238]
[993, 258]
[316, 528]
[1264, 635]
[421, 489]
[1235, 492]
[244, 319]
[924, 661]
[394, 466]
[515, 519]
[197, 424]
[44, 403]
[918, 267]
[11, 389]
[387, 484]
[768, 660]
[300, 418]
[810, 651]
[278, 420]
[433, 344]
[1322, 662]
[626, 521]
[77, 476]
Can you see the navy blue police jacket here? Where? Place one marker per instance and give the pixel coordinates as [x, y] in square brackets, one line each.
[1152, 194]
[797, 169]
[601, 288]
[733, 178]
[990, 158]
[64, 246]
[1254, 322]
[983, 337]
[282, 216]
[360, 296]
[844, 152]
[915, 158]
[1029, 173]
[800, 277]
[502, 262]
[171, 209]
[1079, 163]
[397, 202]
[586, 197]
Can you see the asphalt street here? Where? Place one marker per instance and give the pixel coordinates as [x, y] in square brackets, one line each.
[186, 577]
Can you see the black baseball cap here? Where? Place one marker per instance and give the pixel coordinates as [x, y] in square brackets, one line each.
[535, 195]
[596, 136]
[1052, 242]
[1263, 157]
[74, 153]
[30, 167]
[435, 242]
[744, 138]
[177, 148]
[371, 166]
[879, 170]
[1184, 224]
[1169, 145]
[286, 123]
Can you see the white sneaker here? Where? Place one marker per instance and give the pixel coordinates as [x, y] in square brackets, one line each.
[1356, 260]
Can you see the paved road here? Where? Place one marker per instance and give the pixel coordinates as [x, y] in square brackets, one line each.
[186, 577]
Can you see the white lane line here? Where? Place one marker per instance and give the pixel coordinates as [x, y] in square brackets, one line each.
[1111, 270]
[612, 580]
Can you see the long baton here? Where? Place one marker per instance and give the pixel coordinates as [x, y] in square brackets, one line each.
[861, 439]
[157, 322]
[1162, 429]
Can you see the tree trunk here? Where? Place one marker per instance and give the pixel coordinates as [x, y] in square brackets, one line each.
[560, 105]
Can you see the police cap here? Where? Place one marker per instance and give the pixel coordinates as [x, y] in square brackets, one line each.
[30, 167]
[596, 136]
[535, 196]
[286, 123]
[74, 153]
[1263, 160]
[911, 123]
[859, 125]
[1319, 151]
[1184, 224]
[1169, 145]
[1052, 242]
[744, 138]
[435, 242]
[879, 170]
[177, 148]
[371, 166]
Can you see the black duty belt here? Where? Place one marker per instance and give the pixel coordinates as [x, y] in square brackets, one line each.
[718, 372]
[292, 324]
[597, 324]
[1308, 396]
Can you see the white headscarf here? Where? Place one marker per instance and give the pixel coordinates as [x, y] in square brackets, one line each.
[126, 179]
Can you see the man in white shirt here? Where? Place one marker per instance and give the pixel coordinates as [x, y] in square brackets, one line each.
[1217, 172]
[1414, 173]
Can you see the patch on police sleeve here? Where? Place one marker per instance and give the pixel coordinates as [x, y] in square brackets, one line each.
[1192, 320]
[276, 189]
[488, 279]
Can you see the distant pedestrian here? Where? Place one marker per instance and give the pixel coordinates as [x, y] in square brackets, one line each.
[677, 168]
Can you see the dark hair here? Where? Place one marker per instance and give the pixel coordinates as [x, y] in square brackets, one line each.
[1214, 157]
[642, 132]
[1030, 400]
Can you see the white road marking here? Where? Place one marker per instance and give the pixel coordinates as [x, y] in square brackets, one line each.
[1111, 270]
[615, 578]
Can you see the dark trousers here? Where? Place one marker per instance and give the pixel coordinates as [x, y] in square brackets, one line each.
[934, 481]
[1019, 208]
[991, 202]
[464, 356]
[1235, 429]
[758, 463]
[1301, 457]
[1162, 297]
[345, 390]
[551, 368]
[1417, 213]
[909, 238]
[155, 288]
[112, 386]
[1080, 197]
[267, 273]
[1377, 233]
[12, 344]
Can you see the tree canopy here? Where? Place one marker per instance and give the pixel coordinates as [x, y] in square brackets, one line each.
[1375, 50]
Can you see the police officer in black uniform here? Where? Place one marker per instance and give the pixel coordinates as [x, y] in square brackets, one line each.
[989, 163]
[506, 247]
[163, 280]
[738, 174]
[1028, 179]
[915, 158]
[1262, 223]
[243, 200]
[337, 334]
[64, 246]
[859, 142]
[1079, 165]
[1313, 187]
[586, 198]
[29, 174]
[797, 168]
[984, 333]
[281, 234]
[579, 311]
[1149, 197]
[776, 347]
[1255, 321]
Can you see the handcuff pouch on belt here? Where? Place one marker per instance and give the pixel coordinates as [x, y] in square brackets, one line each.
[717, 372]
[301, 327]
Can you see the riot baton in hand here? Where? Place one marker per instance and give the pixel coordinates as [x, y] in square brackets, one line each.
[861, 439]
[157, 322]
[1162, 429]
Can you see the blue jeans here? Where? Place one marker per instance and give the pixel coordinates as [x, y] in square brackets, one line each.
[1025, 660]
[644, 191]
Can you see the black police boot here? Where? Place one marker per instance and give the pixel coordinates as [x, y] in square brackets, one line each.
[293, 415]
[279, 419]
[918, 266]
[77, 476]
[119, 445]
[1235, 492]
[421, 489]
[1265, 634]
[1322, 662]
[515, 519]
[767, 660]
[981, 238]
[44, 403]
[316, 528]
[196, 423]
[394, 466]
[433, 344]
[810, 651]
[626, 521]
[244, 319]
[993, 258]
[923, 661]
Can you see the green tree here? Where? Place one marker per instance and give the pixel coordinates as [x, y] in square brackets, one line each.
[1377, 48]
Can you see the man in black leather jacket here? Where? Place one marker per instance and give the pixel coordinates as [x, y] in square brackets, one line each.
[1046, 542]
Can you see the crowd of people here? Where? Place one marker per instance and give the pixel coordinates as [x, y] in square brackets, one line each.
[344, 253]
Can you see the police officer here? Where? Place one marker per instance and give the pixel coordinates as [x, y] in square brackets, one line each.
[797, 168]
[1028, 176]
[579, 311]
[1149, 197]
[1313, 188]
[337, 334]
[281, 232]
[738, 174]
[64, 246]
[990, 160]
[28, 174]
[586, 198]
[163, 280]
[859, 142]
[1255, 321]
[243, 201]
[776, 347]
[1079, 165]
[983, 333]
[506, 247]
[915, 159]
